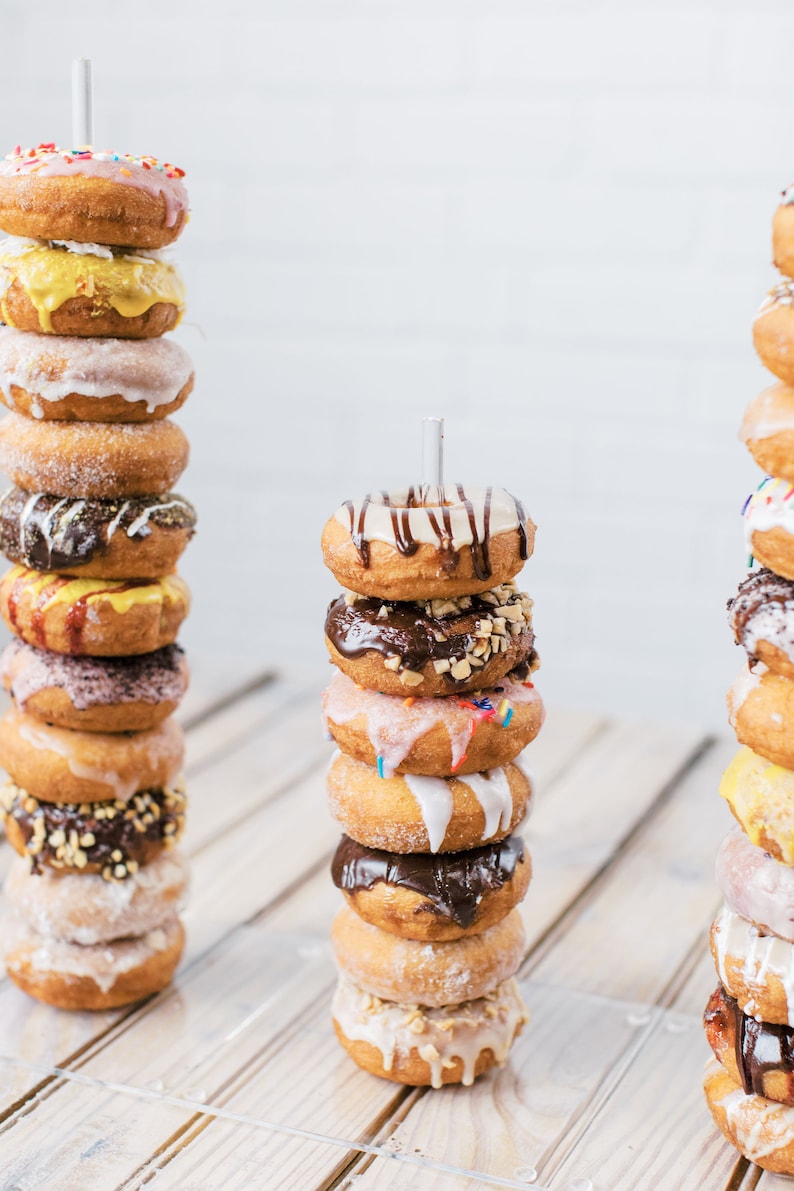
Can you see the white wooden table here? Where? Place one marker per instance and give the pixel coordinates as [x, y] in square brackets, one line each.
[232, 1079]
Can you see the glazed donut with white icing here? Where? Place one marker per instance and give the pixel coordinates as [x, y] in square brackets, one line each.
[433, 737]
[767, 430]
[66, 378]
[759, 1128]
[761, 615]
[773, 331]
[88, 195]
[755, 885]
[756, 1054]
[761, 713]
[422, 1047]
[93, 459]
[756, 968]
[126, 694]
[783, 234]
[761, 797]
[100, 617]
[415, 813]
[391, 545]
[769, 525]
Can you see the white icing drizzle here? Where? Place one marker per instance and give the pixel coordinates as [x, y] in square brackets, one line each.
[434, 799]
[423, 520]
[143, 521]
[772, 621]
[781, 294]
[770, 507]
[492, 791]
[744, 684]
[757, 955]
[114, 524]
[761, 1127]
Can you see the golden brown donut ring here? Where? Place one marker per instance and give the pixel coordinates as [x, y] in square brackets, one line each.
[761, 797]
[86, 459]
[725, 1025]
[386, 813]
[783, 237]
[769, 525]
[767, 430]
[761, 1130]
[435, 737]
[761, 713]
[761, 615]
[104, 976]
[101, 617]
[392, 546]
[68, 378]
[756, 968]
[411, 972]
[426, 1047]
[773, 331]
[63, 765]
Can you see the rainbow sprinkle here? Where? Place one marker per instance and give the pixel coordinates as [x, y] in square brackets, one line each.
[507, 718]
[380, 766]
[27, 159]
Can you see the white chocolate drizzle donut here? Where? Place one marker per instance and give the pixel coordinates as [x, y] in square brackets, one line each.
[758, 961]
[781, 294]
[434, 799]
[755, 885]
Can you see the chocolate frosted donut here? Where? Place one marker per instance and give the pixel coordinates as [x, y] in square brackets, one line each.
[433, 647]
[127, 694]
[761, 615]
[432, 897]
[756, 1054]
[141, 538]
[113, 837]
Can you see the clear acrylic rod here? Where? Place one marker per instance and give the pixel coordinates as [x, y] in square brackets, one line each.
[82, 104]
[432, 460]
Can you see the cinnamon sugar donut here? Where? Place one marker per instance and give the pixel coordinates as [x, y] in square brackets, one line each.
[773, 331]
[91, 196]
[757, 969]
[66, 378]
[783, 234]
[434, 898]
[411, 813]
[756, 1054]
[126, 694]
[433, 974]
[393, 546]
[755, 885]
[761, 713]
[65, 765]
[436, 737]
[760, 1129]
[761, 615]
[769, 525]
[761, 797]
[102, 617]
[85, 459]
[768, 430]
[419, 1046]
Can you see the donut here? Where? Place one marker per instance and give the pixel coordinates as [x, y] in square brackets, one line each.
[84, 459]
[65, 765]
[103, 617]
[393, 546]
[85, 195]
[65, 378]
[73, 289]
[412, 813]
[761, 615]
[435, 737]
[423, 1047]
[126, 694]
[757, 969]
[432, 898]
[103, 976]
[768, 429]
[773, 331]
[783, 234]
[432, 647]
[413, 972]
[755, 885]
[83, 908]
[761, 1129]
[769, 525]
[756, 1054]
[761, 713]
[761, 797]
[141, 537]
[113, 838]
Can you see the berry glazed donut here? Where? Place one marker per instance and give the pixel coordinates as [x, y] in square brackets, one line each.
[432, 647]
[769, 525]
[392, 546]
[413, 813]
[126, 694]
[755, 885]
[84, 195]
[761, 713]
[761, 615]
[783, 234]
[89, 290]
[432, 974]
[65, 378]
[92, 459]
[761, 797]
[768, 430]
[113, 838]
[756, 1054]
[140, 537]
[86, 909]
[64, 765]
[757, 969]
[432, 898]
[424, 1047]
[773, 331]
[434, 737]
[761, 1129]
[101, 617]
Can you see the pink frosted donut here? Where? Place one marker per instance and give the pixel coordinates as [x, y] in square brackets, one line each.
[755, 885]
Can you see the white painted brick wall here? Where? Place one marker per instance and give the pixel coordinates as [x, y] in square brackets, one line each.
[547, 221]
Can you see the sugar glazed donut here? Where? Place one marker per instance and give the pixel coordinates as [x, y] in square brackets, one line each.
[392, 546]
[759, 1128]
[769, 525]
[773, 331]
[768, 430]
[761, 797]
[755, 885]
[783, 234]
[756, 1054]
[66, 378]
[761, 713]
[761, 615]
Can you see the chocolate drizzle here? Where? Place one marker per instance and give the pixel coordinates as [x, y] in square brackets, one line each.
[759, 1046]
[454, 883]
[762, 592]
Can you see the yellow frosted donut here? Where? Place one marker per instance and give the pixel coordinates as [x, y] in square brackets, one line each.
[761, 796]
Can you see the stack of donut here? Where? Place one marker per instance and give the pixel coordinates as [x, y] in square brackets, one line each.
[430, 705]
[94, 803]
[749, 1019]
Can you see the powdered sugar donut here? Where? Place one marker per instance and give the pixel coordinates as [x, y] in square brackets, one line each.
[761, 713]
[768, 430]
[761, 797]
[755, 885]
[761, 615]
[769, 525]
[773, 331]
[757, 969]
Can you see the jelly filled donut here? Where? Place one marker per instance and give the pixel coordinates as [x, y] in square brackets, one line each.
[755, 885]
[756, 1054]
[101, 617]
[413, 813]
[761, 1129]
[126, 694]
[422, 1047]
[432, 647]
[761, 713]
[141, 537]
[66, 378]
[436, 737]
[773, 331]
[769, 525]
[392, 546]
[65, 765]
[761, 615]
[433, 898]
[783, 234]
[768, 430]
[756, 968]
[761, 797]
[99, 197]
[92, 459]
